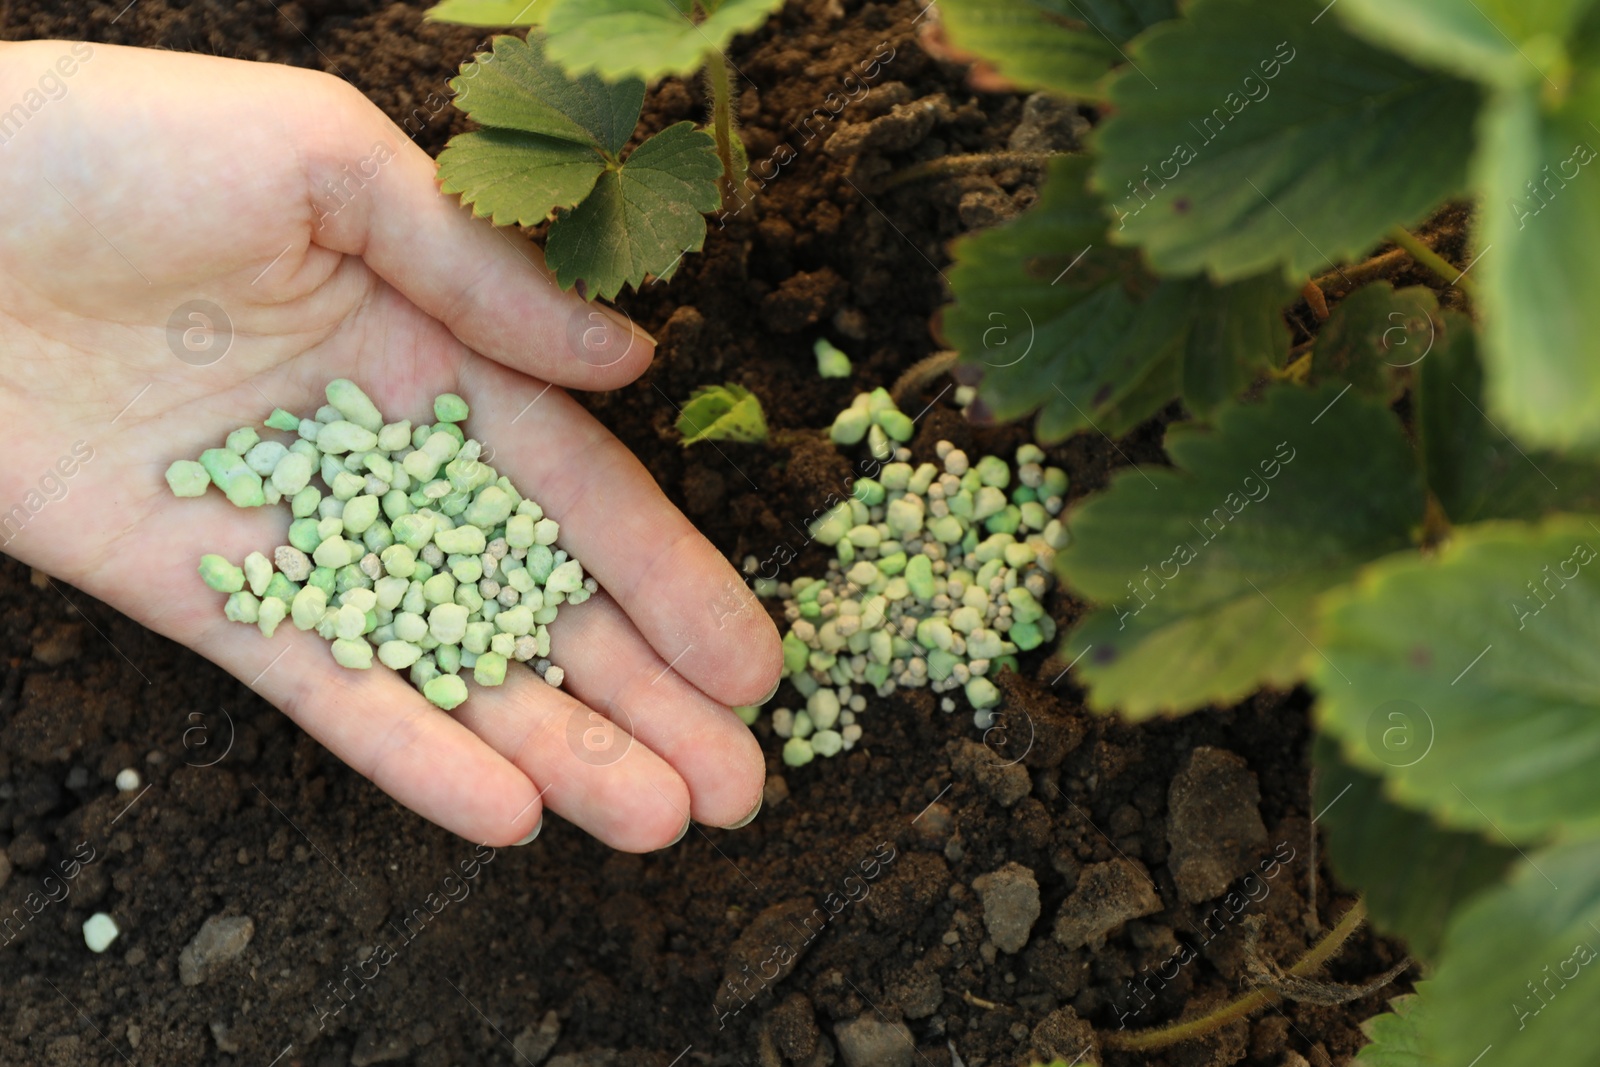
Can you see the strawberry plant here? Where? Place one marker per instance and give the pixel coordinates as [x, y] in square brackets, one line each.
[621, 40]
[552, 143]
[1394, 502]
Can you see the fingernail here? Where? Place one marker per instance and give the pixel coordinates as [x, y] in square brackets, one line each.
[748, 819]
[771, 692]
[533, 834]
[617, 316]
[681, 834]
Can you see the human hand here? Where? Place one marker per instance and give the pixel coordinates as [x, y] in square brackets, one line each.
[143, 181]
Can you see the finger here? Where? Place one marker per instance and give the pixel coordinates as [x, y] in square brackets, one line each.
[486, 773]
[589, 772]
[610, 666]
[382, 727]
[686, 600]
[489, 286]
[372, 719]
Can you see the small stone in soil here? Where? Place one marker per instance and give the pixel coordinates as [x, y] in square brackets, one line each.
[533, 1044]
[219, 940]
[871, 1042]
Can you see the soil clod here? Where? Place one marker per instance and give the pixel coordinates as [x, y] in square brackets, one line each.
[1108, 895]
[1010, 898]
[1214, 825]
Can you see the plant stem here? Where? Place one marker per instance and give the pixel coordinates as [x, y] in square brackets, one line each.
[920, 374]
[954, 166]
[1343, 280]
[1432, 260]
[1319, 954]
[722, 118]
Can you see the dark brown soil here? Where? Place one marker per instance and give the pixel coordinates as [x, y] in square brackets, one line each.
[247, 816]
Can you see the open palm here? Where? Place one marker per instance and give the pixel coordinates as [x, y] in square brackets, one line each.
[291, 234]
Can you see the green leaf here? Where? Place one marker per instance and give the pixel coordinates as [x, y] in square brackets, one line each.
[489, 12]
[1538, 275]
[643, 217]
[1474, 470]
[1062, 323]
[646, 38]
[1489, 648]
[517, 178]
[1245, 137]
[1375, 334]
[1518, 970]
[1048, 311]
[1396, 1036]
[1501, 42]
[722, 413]
[549, 138]
[1142, 397]
[1208, 570]
[518, 87]
[1412, 873]
[1537, 136]
[553, 142]
[1237, 333]
[1065, 46]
